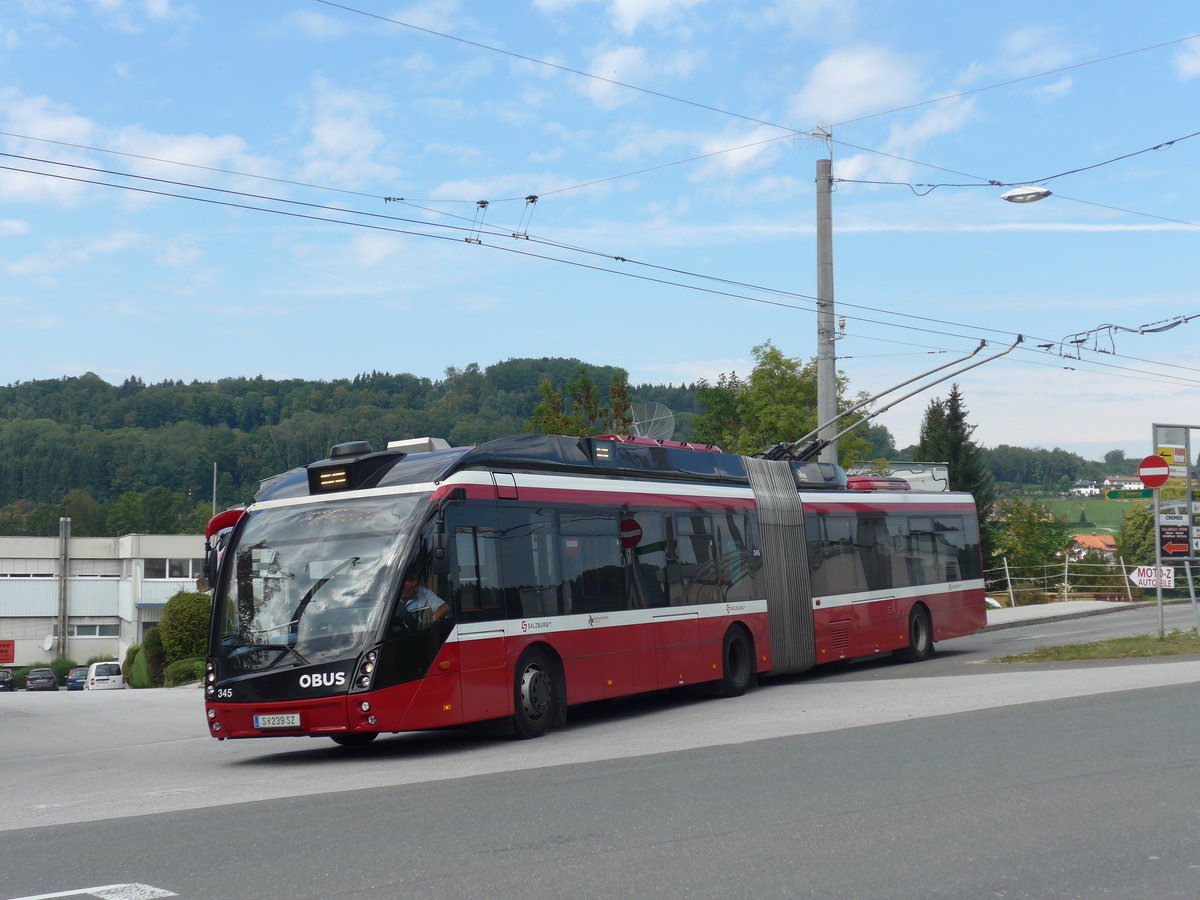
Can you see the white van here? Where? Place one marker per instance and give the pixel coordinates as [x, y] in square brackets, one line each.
[104, 676]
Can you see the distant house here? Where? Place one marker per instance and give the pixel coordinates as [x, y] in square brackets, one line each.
[1105, 544]
[1084, 489]
[1123, 483]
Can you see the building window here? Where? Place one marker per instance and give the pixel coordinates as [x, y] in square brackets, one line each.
[82, 631]
[172, 568]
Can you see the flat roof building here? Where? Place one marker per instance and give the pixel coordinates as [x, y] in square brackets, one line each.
[81, 597]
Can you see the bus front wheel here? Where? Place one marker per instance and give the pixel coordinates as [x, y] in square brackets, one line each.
[920, 637]
[533, 694]
[355, 739]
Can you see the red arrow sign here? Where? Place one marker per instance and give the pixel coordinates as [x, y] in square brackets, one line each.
[1154, 471]
[1175, 548]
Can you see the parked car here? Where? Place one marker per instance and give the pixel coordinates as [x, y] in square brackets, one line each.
[6, 680]
[77, 678]
[41, 680]
[104, 676]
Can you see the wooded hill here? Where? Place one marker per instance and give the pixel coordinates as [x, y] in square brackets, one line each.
[139, 458]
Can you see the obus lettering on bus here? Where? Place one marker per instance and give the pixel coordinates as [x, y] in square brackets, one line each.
[323, 679]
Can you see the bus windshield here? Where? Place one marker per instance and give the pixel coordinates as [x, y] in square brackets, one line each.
[308, 583]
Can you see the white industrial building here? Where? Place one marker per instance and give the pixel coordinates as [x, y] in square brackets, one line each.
[82, 597]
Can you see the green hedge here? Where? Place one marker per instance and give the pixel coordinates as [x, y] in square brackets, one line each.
[152, 651]
[139, 675]
[183, 671]
[184, 625]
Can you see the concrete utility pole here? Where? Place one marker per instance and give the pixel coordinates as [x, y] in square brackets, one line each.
[64, 572]
[826, 355]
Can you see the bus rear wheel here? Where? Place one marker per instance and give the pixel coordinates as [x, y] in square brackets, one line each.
[920, 637]
[356, 739]
[534, 699]
[737, 657]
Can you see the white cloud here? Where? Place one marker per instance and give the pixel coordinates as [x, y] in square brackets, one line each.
[736, 153]
[373, 249]
[554, 6]
[1023, 52]
[436, 15]
[631, 65]
[131, 16]
[1187, 61]
[11, 227]
[1033, 49]
[804, 16]
[317, 25]
[627, 15]
[176, 254]
[343, 139]
[220, 151]
[66, 254]
[855, 81]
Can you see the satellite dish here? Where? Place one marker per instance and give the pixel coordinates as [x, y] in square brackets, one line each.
[48, 642]
[653, 420]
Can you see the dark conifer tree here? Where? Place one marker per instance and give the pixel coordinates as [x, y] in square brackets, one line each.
[946, 437]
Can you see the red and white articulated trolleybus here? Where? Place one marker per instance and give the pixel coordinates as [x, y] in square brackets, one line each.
[377, 592]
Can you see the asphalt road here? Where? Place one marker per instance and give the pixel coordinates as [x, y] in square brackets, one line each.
[952, 778]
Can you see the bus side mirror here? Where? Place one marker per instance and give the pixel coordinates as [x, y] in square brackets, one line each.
[440, 564]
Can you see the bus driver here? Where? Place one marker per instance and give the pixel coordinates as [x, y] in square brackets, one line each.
[423, 603]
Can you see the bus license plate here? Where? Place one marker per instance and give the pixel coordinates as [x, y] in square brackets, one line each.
[278, 720]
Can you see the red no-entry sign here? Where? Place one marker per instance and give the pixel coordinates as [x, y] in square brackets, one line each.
[1154, 471]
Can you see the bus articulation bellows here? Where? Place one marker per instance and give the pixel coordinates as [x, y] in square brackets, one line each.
[429, 587]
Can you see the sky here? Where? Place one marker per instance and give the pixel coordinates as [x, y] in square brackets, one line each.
[199, 189]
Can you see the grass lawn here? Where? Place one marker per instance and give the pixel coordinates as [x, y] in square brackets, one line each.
[1103, 516]
[1174, 643]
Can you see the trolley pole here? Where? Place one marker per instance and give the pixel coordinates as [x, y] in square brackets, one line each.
[826, 356]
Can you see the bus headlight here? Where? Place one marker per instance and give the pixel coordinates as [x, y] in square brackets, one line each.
[365, 674]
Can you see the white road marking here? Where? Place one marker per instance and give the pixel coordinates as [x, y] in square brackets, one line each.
[132, 891]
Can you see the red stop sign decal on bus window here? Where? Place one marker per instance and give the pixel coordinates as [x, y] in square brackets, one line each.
[631, 533]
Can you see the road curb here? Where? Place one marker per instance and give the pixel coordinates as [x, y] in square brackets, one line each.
[1083, 614]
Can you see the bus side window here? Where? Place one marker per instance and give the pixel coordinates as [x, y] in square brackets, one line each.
[874, 543]
[475, 575]
[735, 549]
[923, 562]
[592, 570]
[814, 540]
[648, 561]
[694, 552]
[530, 576]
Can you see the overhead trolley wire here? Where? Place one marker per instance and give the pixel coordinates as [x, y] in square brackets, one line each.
[647, 278]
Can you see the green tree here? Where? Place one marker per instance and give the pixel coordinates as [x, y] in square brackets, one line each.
[946, 437]
[1028, 535]
[87, 516]
[152, 650]
[586, 413]
[776, 404]
[1137, 536]
[184, 626]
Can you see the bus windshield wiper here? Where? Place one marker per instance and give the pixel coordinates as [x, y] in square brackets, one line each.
[294, 625]
[284, 650]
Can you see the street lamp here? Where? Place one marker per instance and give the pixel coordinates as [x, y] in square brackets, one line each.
[826, 354]
[1029, 193]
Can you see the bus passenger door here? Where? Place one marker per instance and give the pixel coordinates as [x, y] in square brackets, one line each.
[676, 628]
[474, 583]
